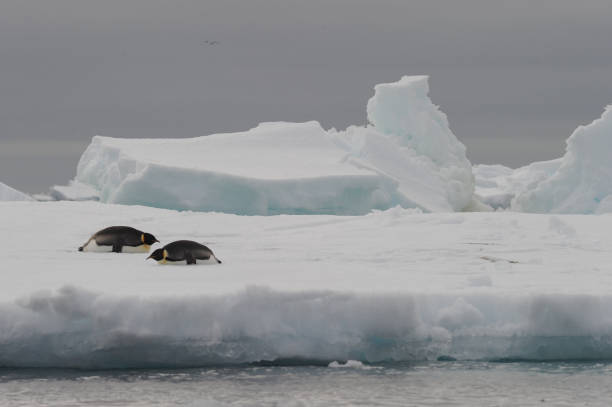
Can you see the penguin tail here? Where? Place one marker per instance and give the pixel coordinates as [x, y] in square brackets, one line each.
[81, 248]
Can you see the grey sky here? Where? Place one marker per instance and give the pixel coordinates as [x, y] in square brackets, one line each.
[514, 77]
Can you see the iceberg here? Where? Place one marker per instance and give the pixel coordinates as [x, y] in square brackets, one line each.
[497, 185]
[74, 191]
[10, 194]
[411, 142]
[578, 182]
[407, 157]
[582, 183]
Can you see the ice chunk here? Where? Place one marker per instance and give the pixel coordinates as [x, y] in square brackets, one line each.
[459, 315]
[497, 185]
[582, 183]
[75, 191]
[349, 364]
[409, 157]
[10, 194]
[410, 141]
[271, 169]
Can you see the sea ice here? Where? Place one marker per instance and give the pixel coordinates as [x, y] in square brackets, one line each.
[583, 181]
[578, 182]
[408, 157]
[75, 191]
[392, 285]
[10, 194]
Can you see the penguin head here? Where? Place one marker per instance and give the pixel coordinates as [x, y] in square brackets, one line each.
[148, 238]
[157, 255]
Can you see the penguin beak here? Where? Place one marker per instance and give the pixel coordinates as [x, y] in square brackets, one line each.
[156, 241]
[148, 258]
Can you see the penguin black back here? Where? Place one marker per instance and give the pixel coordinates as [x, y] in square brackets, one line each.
[184, 250]
[119, 239]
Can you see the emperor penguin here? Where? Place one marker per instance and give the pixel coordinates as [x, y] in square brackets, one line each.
[119, 239]
[186, 251]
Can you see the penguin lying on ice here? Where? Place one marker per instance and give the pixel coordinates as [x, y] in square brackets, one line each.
[119, 239]
[184, 250]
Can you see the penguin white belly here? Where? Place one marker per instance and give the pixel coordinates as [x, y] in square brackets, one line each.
[143, 248]
[211, 260]
[92, 246]
[170, 262]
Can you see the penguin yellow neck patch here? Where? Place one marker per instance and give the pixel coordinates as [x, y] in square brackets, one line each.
[163, 261]
[142, 237]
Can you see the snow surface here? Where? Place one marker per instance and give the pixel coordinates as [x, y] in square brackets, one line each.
[392, 285]
[10, 194]
[409, 157]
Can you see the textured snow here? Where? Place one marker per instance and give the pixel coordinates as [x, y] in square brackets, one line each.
[392, 285]
[408, 157]
[10, 194]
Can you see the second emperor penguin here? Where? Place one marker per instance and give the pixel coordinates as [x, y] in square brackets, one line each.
[186, 251]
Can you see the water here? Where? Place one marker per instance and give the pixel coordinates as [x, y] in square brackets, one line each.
[427, 384]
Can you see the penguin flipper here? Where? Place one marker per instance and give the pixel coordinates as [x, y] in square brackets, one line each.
[189, 258]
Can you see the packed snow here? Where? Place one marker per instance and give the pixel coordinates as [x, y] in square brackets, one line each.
[392, 285]
[407, 157]
[10, 194]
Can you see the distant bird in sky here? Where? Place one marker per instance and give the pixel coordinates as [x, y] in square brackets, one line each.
[207, 42]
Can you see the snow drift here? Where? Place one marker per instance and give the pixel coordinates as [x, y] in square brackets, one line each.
[408, 157]
[10, 194]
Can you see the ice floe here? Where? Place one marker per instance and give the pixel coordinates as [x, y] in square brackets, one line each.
[407, 157]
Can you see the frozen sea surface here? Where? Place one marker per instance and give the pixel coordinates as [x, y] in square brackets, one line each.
[421, 384]
[397, 285]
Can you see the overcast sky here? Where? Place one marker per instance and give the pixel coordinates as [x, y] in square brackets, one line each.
[514, 77]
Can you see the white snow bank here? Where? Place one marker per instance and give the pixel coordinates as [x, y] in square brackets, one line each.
[583, 181]
[72, 327]
[75, 191]
[409, 157]
[10, 194]
[392, 285]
